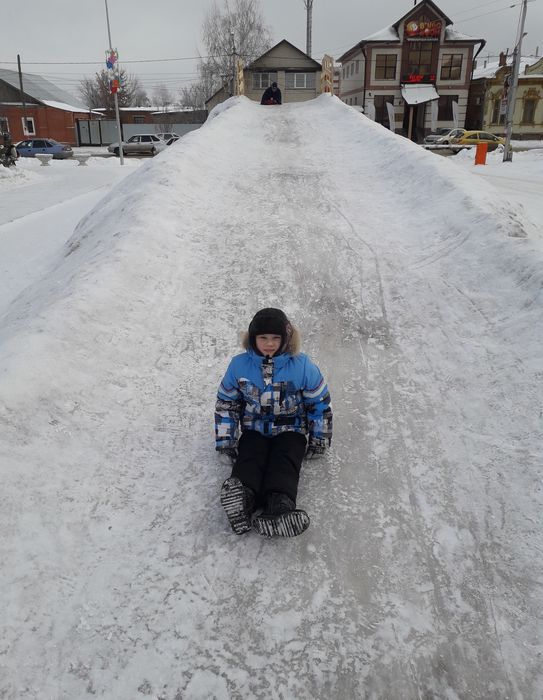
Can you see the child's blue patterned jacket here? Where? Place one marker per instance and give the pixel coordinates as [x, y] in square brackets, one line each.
[271, 395]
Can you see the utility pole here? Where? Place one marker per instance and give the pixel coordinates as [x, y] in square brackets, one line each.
[309, 29]
[115, 97]
[512, 92]
[25, 129]
[233, 69]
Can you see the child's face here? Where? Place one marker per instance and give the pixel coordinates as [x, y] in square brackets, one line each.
[268, 344]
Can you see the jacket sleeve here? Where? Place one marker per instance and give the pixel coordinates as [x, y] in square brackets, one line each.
[318, 406]
[228, 411]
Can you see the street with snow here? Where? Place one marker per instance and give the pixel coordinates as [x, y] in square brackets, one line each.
[416, 282]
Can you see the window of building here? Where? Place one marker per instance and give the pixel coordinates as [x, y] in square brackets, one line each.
[4, 125]
[263, 80]
[497, 118]
[451, 66]
[420, 58]
[381, 111]
[139, 120]
[295, 81]
[29, 128]
[385, 66]
[445, 108]
[343, 73]
[358, 66]
[528, 112]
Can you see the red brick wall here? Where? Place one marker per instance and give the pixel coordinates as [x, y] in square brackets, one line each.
[48, 121]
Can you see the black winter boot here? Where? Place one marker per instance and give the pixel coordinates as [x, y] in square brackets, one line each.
[281, 518]
[238, 502]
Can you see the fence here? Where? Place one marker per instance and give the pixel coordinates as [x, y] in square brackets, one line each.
[102, 132]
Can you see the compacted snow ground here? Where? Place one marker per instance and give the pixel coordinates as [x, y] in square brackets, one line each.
[417, 291]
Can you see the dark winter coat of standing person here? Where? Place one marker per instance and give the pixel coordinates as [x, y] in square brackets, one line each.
[8, 152]
[271, 96]
[277, 398]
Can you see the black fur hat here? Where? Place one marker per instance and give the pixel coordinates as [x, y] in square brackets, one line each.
[269, 321]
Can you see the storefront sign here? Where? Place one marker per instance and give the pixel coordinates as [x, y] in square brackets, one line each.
[418, 78]
[423, 29]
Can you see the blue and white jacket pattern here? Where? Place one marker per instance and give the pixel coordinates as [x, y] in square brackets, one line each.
[272, 395]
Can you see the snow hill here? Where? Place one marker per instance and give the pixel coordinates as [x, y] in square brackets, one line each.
[417, 293]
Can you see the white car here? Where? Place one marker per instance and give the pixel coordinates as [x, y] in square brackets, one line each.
[168, 136]
[147, 144]
[445, 139]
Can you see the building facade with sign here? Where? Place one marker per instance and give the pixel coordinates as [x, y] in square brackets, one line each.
[487, 102]
[413, 76]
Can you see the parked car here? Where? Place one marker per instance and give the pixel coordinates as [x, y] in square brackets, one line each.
[29, 148]
[443, 139]
[172, 140]
[168, 136]
[146, 144]
[472, 138]
[437, 134]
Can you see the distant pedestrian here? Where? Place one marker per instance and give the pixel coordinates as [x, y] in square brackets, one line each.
[271, 96]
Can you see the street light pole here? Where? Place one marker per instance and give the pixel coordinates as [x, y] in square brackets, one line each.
[512, 93]
[309, 26]
[115, 98]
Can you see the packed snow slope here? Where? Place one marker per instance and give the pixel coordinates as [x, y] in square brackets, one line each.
[420, 298]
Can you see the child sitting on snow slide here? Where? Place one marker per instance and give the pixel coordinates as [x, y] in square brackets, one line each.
[277, 396]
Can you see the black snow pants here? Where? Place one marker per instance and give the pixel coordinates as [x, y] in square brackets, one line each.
[270, 464]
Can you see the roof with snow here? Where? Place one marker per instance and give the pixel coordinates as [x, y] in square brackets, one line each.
[491, 69]
[419, 7]
[273, 48]
[42, 90]
[391, 33]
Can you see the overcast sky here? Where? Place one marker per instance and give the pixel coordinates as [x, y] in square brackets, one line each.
[67, 31]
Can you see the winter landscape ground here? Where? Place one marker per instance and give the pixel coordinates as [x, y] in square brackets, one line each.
[416, 282]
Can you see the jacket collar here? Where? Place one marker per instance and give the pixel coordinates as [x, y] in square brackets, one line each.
[279, 361]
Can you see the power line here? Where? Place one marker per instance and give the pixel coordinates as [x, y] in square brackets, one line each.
[476, 7]
[493, 12]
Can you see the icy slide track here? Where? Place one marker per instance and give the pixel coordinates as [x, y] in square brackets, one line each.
[420, 576]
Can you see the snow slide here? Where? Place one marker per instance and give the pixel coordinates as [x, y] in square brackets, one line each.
[420, 298]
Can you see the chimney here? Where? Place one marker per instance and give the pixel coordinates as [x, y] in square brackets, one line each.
[503, 59]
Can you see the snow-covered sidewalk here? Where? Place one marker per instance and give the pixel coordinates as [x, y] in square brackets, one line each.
[419, 294]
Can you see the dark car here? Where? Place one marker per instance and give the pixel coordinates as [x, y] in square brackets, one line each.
[30, 147]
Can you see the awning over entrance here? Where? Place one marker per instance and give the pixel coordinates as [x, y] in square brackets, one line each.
[417, 94]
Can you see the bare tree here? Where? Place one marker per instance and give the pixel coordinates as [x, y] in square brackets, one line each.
[162, 97]
[237, 29]
[96, 91]
[196, 94]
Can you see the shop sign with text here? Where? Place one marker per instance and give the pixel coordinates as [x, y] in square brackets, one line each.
[423, 29]
[419, 78]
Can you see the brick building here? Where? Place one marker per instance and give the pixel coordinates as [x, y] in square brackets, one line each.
[42, 110]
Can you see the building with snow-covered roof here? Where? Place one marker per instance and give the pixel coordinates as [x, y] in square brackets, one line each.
[415, 72]
[297, 75]
[41, 109]
[487, 104]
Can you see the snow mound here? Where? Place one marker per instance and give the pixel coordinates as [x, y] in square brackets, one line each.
[420, 296]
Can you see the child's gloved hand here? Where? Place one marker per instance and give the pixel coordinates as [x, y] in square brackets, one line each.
[227, 455]
[316, 448]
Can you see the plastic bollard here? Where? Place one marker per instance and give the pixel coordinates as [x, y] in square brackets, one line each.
[480, 153]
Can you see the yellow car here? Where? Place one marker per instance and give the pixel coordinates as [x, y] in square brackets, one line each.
[472, 138]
